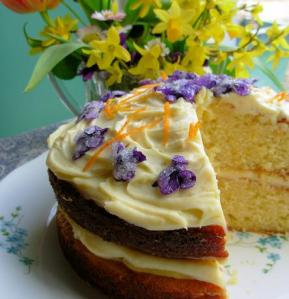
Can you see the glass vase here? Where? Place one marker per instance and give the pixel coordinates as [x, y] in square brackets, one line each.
[93, 90]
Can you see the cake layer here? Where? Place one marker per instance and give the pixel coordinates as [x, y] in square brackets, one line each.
[191, 243]
[137, 201]
[254, 205]
[129, 281]
[250, 132]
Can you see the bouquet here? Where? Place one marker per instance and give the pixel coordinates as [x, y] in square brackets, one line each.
[148, 39]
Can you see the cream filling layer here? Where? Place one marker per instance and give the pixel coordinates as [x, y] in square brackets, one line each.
[207, 271]
[262, 177]
[136, 201]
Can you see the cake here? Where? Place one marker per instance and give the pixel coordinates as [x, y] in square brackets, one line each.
[136, 174]
[247, 141]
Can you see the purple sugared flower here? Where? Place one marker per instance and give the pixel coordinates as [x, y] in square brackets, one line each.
[112, 94]
[177, 89]
[91, 138]
[187, 85]
[125, 161]
[91, 110]
[175, 177]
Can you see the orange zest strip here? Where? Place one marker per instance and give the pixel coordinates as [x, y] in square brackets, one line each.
[281, 96]
[136, 113]
[166, 121]
[193, 130]
[119, 136]
[164, 75]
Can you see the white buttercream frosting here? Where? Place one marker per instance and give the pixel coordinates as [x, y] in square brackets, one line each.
[136, 201]
[208, 271]
[260, 101]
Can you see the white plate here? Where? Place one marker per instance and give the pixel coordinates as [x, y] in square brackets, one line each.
[32, 266]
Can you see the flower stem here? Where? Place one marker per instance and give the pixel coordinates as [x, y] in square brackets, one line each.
[46, 18]
[74, 12]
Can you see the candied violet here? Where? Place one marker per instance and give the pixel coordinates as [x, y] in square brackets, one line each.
[91, 138]
[175, 177]
[187, 85]
[179, 88]
[112, 94]
[91, 110]
[125, 161]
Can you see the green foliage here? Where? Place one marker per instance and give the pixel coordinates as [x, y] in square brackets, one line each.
[49, 59]
[67, 68]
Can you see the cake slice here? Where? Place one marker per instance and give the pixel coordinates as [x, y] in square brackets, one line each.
[139, 206]
[247, 141]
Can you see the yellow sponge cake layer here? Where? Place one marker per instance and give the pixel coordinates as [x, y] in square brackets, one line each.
[247, 141]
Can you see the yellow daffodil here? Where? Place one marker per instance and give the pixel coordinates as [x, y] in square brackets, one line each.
[59, 30]
[195, 57]
[115, 74]
[148, 66]
[145, 6]
[175, 22]
[241, 60]
[105, 51]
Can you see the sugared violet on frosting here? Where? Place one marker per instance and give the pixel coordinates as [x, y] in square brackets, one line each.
[112, 94]
[91, 138]
[91, 110]
[125, 161]
[175, 177]
[187, 85]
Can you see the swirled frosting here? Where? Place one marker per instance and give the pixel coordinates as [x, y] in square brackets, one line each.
[136, 201]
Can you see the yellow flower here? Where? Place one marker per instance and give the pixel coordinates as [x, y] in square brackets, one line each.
[277, 55]
[148, 66]
[175, 21]
[241, 61]
[60, 29]
[145, 5]
[105, 51]
[195, 57]
[278, 36]
[170, 68]
[257, 9]
[115, 74]
[190, 4]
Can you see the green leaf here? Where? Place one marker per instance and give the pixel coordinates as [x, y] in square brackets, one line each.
[67, 68]
[268, 72]
[49, 59]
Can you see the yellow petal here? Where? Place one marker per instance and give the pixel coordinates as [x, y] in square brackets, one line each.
[139, 49]
[144, 11]
[159, 28]
[113, 36]
[162, 14]
[122, 53]
[175, 10]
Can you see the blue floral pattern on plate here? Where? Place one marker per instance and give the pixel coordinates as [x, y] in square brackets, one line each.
[269, 246]
[13, 238]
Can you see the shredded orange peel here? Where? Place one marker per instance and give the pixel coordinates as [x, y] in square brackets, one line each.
[166, 121]
[164, 75]
[120, 135]
[281, 96]
[112, 106]
[193, 130]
